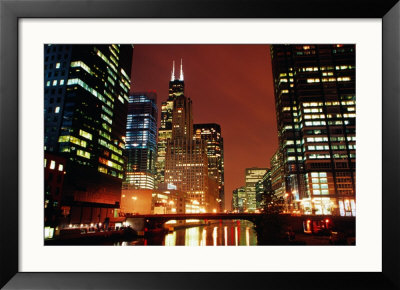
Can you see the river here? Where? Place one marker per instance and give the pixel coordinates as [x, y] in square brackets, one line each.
[217, 233]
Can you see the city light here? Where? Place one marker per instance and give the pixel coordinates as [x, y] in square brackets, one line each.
[138, 158]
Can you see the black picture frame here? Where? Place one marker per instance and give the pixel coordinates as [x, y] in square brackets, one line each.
[12, 11]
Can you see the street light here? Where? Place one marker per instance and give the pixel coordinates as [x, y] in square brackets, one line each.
[286, 202]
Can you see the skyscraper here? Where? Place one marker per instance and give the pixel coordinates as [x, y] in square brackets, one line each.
[86, 97]
[315, 103]
[141, 136]
[252, 176]
[185, 158]
[239, 199]
[278, 175]
[211, 134]
[263, 188]
[176, 88]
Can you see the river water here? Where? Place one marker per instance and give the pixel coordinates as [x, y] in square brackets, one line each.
[217, 233]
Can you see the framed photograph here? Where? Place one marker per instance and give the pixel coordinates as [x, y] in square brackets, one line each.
[127, 127]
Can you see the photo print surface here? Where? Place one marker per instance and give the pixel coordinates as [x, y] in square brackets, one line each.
[199, 145]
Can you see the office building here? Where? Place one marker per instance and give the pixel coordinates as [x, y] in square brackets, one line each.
[211, 134]
[252, 176]
[263, 189]
[141, 136]
[86, 98]
[185, 158]
[316, 115]
[278, 183]
[176, 88]
[239, 199]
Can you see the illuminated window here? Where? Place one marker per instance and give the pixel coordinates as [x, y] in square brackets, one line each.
[316, 80]
[52, 164]
[57, 65]
[72, 139]
[48, 84]
[60, 167]
[82, 65]
[54, 82]
[85, 134]
[57, 110]
[83, 154]
[61, 82]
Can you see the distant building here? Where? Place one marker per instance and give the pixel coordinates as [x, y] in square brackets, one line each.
[235, 201]
[278, 175]
[211, 134]
[240, 199]
[252, 176]
[316, 117]
[141, 136]
[153, 201]
[263, 188]
[85, 106]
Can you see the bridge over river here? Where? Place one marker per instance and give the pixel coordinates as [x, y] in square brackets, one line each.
[299, 223]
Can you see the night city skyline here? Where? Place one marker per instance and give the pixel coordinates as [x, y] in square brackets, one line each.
[214, 75]
[199, 144]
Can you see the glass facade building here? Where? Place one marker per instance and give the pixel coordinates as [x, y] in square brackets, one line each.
[278, 183]
[141, 136]
[252, 176]
[86, 91]
[316, 116]
[263, 187]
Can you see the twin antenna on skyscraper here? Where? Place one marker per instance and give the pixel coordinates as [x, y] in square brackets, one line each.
[173, 72]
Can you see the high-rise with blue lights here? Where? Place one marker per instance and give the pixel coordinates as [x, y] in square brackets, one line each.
[141, 137]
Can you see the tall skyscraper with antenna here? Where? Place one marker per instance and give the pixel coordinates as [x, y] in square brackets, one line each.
[176, 88]
[182, 159]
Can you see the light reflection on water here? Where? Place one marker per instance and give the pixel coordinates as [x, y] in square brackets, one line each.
[217, 233]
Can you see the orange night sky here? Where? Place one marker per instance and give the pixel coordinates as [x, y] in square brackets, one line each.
[230, 85]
